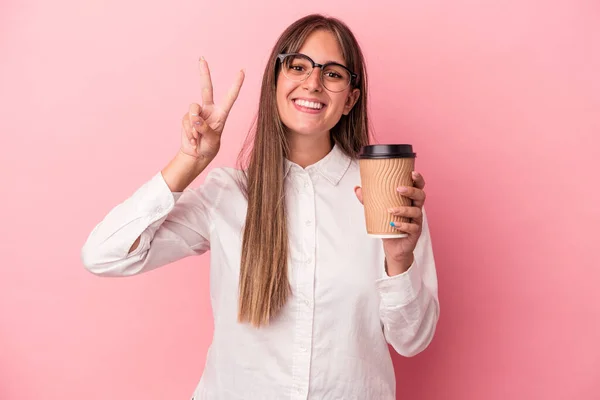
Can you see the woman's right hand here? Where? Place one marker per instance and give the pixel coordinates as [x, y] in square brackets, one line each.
[202, 126]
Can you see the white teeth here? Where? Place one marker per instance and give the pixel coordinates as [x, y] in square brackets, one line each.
[309, 104]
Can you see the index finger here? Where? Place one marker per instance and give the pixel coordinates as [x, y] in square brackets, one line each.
[234, 91]
[413, 193]
[205, 82]
[419, 180]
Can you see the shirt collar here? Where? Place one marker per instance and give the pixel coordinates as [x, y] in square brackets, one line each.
[332, 167]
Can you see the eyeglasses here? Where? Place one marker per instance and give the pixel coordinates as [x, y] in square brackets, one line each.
[298, 67]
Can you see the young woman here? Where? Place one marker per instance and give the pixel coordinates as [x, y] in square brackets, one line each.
[304, 302]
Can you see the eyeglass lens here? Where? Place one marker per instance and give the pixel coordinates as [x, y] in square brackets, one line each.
[298, 67]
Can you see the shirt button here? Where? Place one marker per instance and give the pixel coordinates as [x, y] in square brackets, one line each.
[308, 260]
[308, 222]
[306, 184]
[307, 302]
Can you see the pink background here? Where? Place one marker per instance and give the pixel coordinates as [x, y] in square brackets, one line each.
[501, 100]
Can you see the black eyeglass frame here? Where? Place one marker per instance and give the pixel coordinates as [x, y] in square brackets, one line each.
[353, 76]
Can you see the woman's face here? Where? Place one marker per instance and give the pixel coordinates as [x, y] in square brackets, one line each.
[306, 119]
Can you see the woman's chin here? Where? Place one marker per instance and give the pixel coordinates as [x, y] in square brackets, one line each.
[308, 131]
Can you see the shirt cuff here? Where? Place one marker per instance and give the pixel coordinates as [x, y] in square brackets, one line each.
[153, 199]
[157, 200]
[402, 289]
[159, 180]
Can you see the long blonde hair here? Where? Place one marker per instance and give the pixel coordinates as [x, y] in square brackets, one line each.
[264, 287]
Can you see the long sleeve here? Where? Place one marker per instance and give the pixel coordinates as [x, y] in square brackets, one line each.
[409, 307]
[170, 225]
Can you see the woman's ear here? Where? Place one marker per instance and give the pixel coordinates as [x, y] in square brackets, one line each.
[351, 100]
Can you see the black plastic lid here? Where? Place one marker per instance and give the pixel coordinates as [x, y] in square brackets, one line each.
[387, 151]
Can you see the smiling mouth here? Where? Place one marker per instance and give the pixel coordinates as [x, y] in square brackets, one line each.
[308, 105]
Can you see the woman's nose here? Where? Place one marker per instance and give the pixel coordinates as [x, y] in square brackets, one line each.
[313, 82]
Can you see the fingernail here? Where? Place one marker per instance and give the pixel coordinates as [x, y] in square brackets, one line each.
[390, 210]
[402, 189]
[197, 122]
[392, 224]
[201, 58]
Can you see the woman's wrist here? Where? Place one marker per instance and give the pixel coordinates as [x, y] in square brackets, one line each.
[397, 267]
[182, 170]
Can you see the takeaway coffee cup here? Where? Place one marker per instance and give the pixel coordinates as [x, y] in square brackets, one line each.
[384, 168]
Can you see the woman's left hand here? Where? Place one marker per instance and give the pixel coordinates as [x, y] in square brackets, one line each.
[399, 251]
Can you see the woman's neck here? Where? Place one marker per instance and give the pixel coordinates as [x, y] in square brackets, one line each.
[306, 150]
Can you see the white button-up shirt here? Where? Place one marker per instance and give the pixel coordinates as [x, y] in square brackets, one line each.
[330, 340]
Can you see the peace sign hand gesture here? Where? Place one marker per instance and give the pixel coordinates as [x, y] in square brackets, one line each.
[202, 126]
